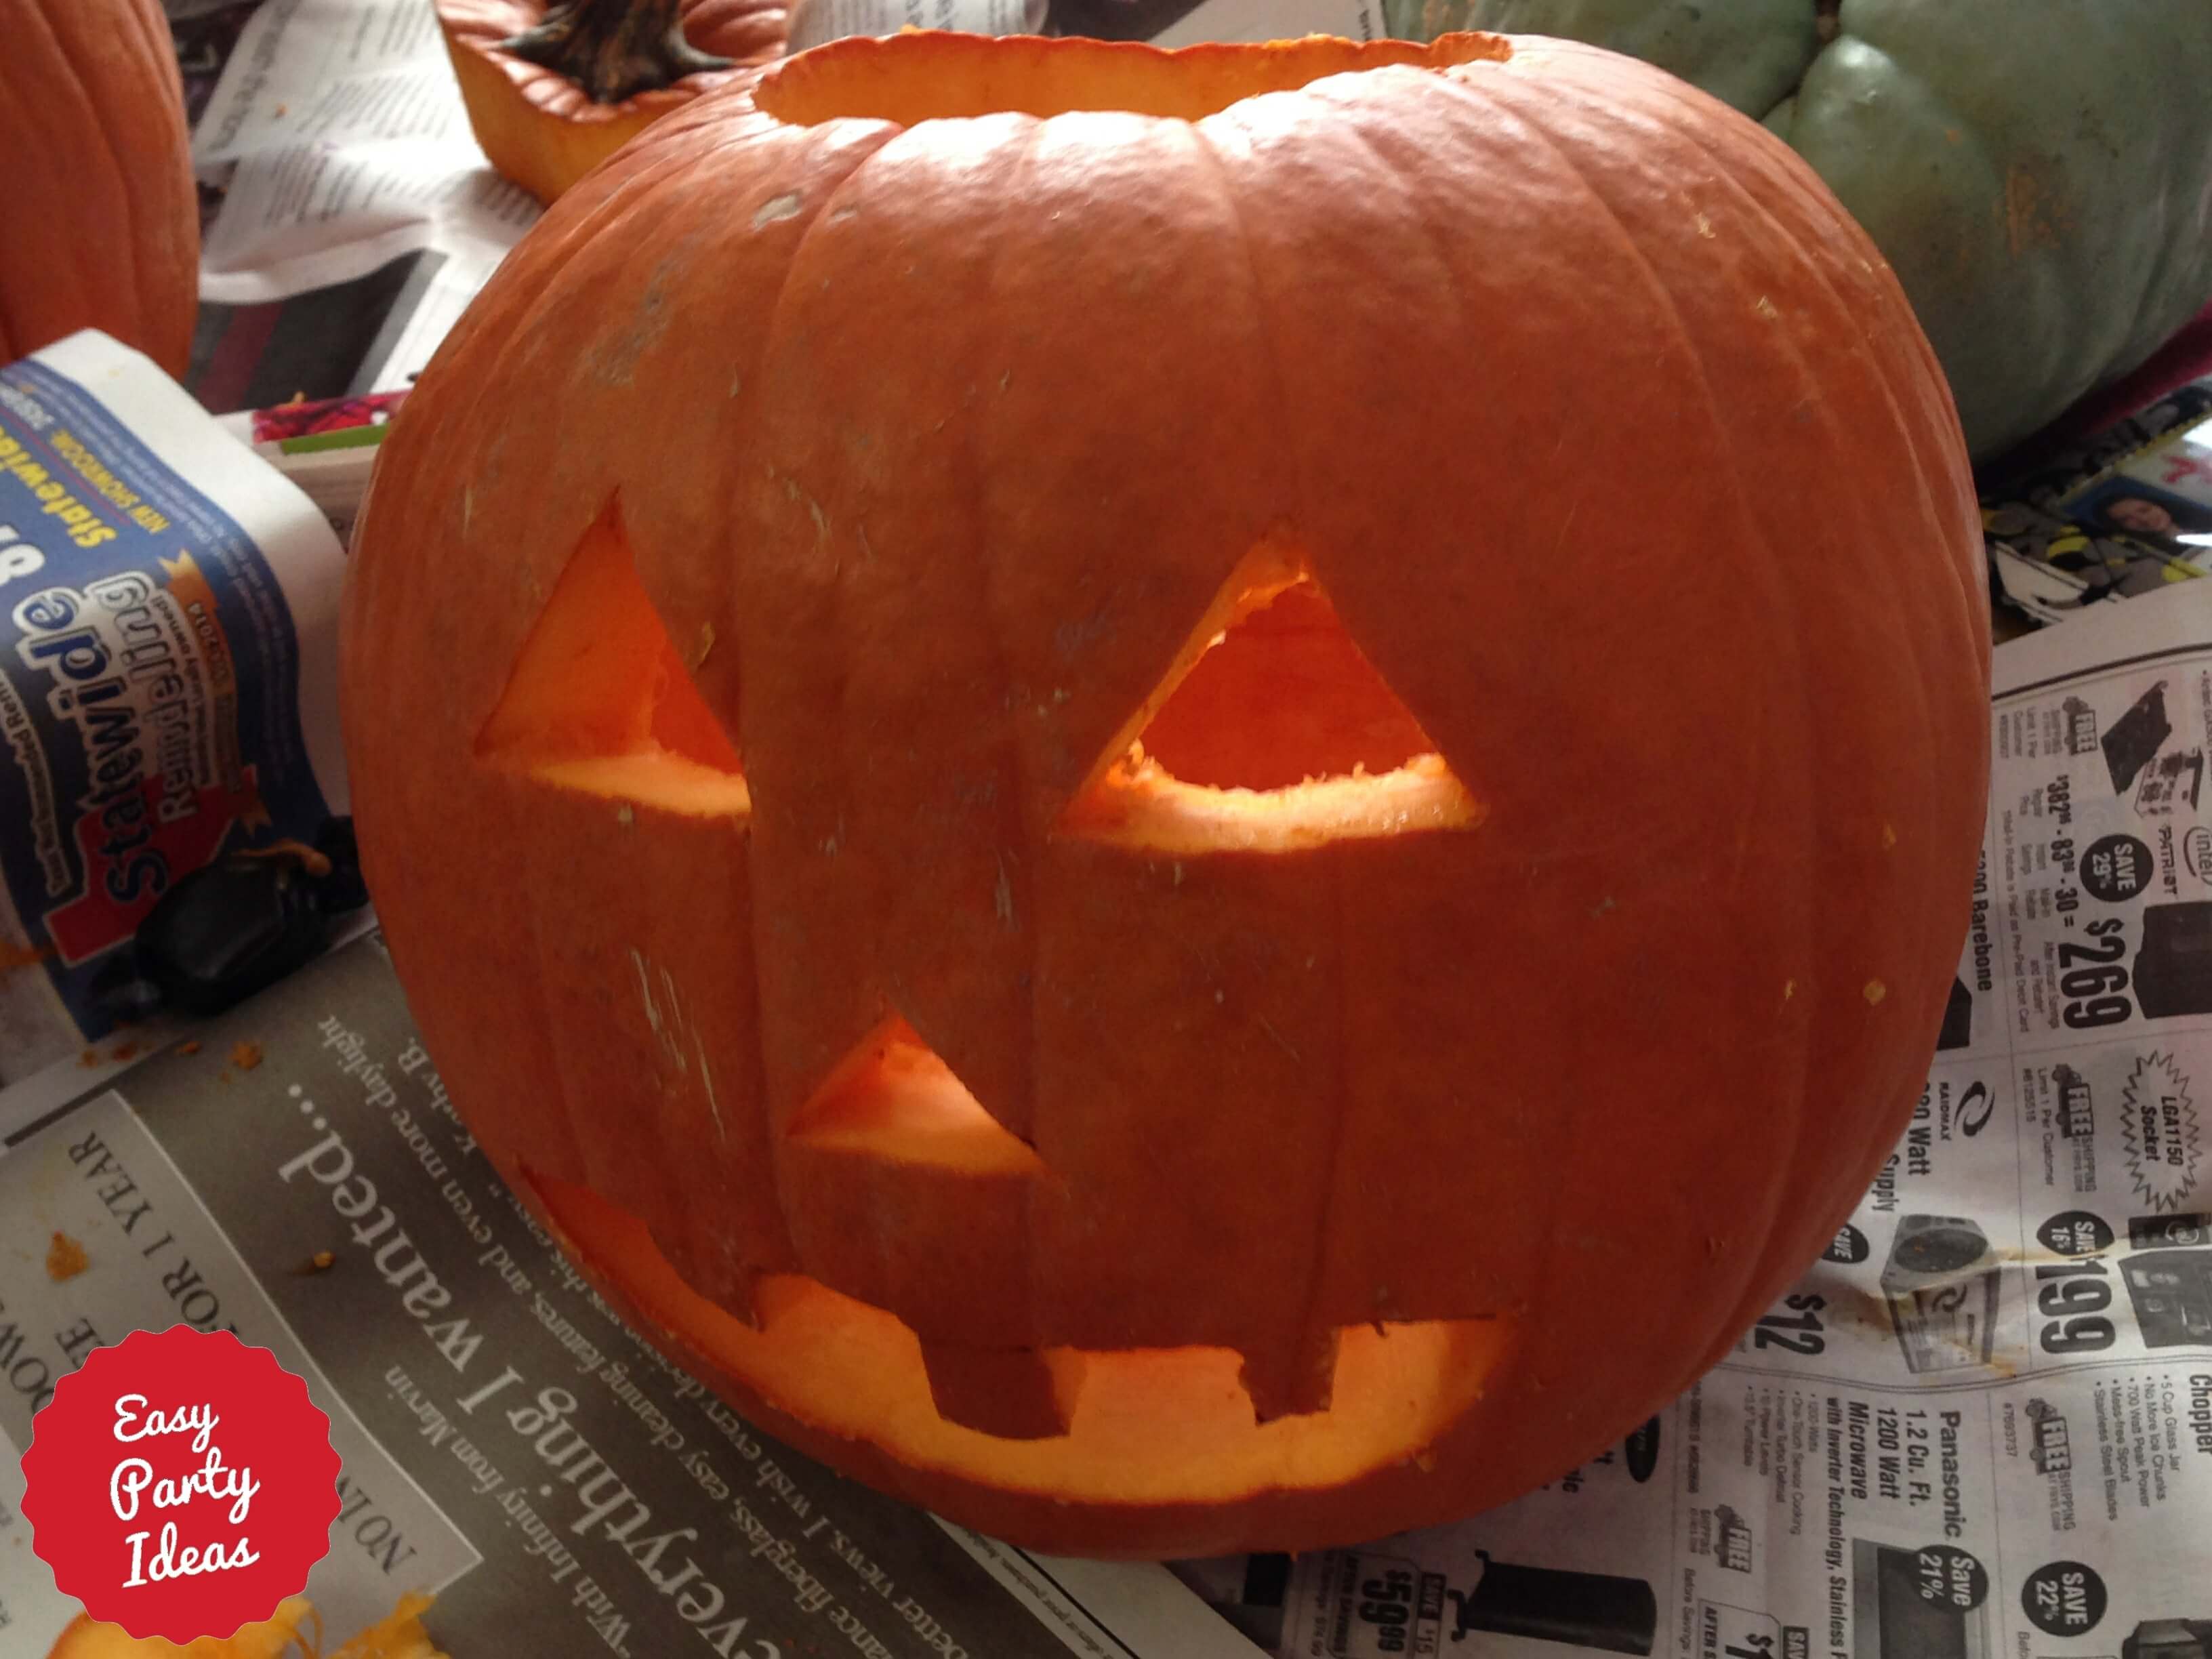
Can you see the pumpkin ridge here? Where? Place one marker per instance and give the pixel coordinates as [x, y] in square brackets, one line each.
[1797, 182]
[569, 1117]
[1225, 182]
[87, 260]
[507, 329]
[130, 178]
[1879, 367]
[1462, 84]
[1020, 884]
[1766, 1225]
[98, 273]
[1963, 587]
[1965, 583]
[781, 1098]
[1688, 341]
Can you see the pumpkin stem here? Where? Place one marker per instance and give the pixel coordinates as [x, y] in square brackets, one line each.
[614, 49]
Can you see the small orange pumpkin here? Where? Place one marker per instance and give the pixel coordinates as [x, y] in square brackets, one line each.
[1186, 801]
[543, 128]
[99, 217]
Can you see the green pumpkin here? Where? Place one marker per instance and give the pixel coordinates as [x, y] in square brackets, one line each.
[2039, 172]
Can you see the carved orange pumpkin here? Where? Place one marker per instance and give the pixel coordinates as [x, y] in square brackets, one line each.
[1215, 827]
[99, 220]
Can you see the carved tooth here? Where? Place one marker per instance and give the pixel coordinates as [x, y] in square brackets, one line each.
[713, 1270]
[1014, 1393]
[1295, 1381]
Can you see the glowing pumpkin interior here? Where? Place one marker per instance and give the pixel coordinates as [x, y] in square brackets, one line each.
[1141, 1426]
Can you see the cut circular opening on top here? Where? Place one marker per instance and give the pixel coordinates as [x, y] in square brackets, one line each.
[926, 75]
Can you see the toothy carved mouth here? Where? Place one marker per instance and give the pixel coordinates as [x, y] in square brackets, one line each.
[1120, 1426]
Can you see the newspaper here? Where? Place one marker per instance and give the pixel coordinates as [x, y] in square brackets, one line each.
[509, 1446]
[1983, 1424]
[359, 210]
[168, 675]
[338, 131]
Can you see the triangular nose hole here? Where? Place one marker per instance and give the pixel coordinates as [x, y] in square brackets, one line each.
[894, 1100]
[600, 700]
[1271, 728]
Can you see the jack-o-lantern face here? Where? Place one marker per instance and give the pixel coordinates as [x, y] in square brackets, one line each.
[1188, 829]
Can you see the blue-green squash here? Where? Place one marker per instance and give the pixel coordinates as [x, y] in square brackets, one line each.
[2038, 172]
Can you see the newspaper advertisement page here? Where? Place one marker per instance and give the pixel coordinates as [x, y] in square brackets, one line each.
[346, 148]
[1983, 1424]
[294, 1172]
[168, 620]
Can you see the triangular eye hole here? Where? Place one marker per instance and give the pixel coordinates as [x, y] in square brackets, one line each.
[1271, 732]
[600, 701]
[895, 1102]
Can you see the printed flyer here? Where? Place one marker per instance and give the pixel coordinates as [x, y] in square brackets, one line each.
[168, 674]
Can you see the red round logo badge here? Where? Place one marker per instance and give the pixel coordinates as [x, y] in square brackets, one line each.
[180, 1484]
